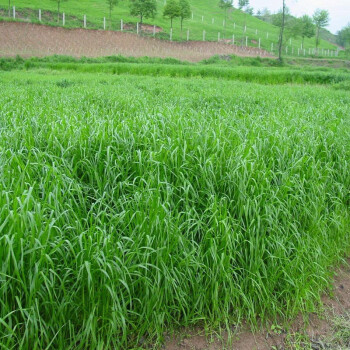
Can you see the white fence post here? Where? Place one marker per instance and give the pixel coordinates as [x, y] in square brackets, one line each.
[154, 30]
[246, 41]
[14, 11]
[271, 47]
[259, 43]
[223, 23]
[219, 36]
[233, 39]
[137, 28]
[267, 35]
[202, 18]
[256, 32]
[63, 19]
[121, 25]
[40, 15]
[84, 21]
[212, 21]
[104, 23]
[203, 35]
[188, 34]
[245, 29]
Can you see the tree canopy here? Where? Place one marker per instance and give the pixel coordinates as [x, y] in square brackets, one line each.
[143, 8]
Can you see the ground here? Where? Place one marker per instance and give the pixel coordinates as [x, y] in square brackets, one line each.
[328, 329]
[28, 40]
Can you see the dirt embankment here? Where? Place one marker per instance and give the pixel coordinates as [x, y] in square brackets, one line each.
[27, 40]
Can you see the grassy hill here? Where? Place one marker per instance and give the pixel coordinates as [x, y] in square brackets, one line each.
[207, 16]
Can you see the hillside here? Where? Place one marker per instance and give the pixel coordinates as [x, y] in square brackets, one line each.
[207, 16]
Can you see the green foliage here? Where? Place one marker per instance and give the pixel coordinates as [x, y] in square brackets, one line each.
[130, 207]
[111, 4]
[172, 10]
[242, 4]
[321, 20]
[343, 37]
[143, 8]
[185, 11]
[307, 28]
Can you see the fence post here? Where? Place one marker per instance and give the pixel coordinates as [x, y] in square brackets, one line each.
[202, 18]
[84, 21]
[104, 23]
[212, 21]
[298, 51]
[121, 25]
[234, 25]
[286, 49]
[233, 39]
[63, 19]
[218, 36]
[203, 35]
[154, 30]
[137, 28]
[246, 41]
[259, 43]
[188, 34]
[267, 35]
[272, 47]
[40, 15]
[256, 32]
[245, 29]
[304, 52]
[14, 11]
[223, 23]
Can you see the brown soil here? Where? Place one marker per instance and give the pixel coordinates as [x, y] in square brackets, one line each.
[27, 40]
[317, 330]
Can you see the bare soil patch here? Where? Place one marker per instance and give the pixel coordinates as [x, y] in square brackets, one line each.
[316, 332]
[28, 40]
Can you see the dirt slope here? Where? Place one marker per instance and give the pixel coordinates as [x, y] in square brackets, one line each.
[27, 40]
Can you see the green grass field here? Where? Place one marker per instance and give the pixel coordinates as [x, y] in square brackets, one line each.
[96, 10]
[131, 204]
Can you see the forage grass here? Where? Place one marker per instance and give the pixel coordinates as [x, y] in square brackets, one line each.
[132, 206]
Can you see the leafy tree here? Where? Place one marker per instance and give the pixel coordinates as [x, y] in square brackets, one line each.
[225, 5]
[321, 20]
[249, 10]
[185, 11]
[307, 28]
[9, 8]
[172, 10]
[242, 4]
[58, 8]
[282, 26]
[343, 38]
[111, 4]
[143, 9]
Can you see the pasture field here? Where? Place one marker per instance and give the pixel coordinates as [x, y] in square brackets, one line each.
[134, 204]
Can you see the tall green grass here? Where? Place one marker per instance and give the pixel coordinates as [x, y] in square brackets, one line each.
[132, 206]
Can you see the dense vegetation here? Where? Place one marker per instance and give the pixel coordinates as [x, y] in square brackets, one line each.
[131, 206]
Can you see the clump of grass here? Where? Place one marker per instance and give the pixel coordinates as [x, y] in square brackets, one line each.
[137, 206]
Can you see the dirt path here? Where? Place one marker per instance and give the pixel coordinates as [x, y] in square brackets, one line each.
[320, 333]
[27, 40]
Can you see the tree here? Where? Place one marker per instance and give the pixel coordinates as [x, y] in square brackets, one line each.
[321, 20]
[171, 10]
[242, 4]
[225, 5]
[307, 28]
[111, 4]
[343, 38]
[9, 8]
[185, 11]
[283, 22]
[58, 9]
[143, 9]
